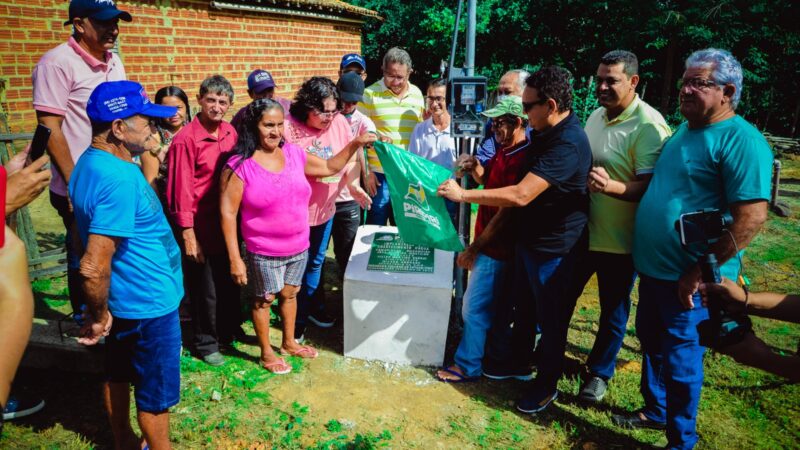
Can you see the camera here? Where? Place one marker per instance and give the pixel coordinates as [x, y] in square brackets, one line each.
[703, 228]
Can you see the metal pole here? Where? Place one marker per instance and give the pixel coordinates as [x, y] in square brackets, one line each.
[469, 64]
[454, 45]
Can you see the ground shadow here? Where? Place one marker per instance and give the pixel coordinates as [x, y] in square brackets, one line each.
[72, 400]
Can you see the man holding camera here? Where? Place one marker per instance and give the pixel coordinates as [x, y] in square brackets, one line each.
[714, 160]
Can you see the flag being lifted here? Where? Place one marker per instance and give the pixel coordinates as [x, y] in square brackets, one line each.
[421, 216]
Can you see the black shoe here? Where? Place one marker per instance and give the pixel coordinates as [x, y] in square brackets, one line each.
[532, 405]
[20, 407]
[321, 319]
[504, 373]
[636, 420]
[593, 390]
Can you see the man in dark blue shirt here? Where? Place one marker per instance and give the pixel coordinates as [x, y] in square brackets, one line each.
[549, 210]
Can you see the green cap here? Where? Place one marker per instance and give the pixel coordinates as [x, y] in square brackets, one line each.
[509, 105]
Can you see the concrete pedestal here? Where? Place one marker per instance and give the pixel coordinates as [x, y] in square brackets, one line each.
[396, 317]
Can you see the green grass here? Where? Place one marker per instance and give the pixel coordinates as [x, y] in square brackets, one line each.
[334, 403]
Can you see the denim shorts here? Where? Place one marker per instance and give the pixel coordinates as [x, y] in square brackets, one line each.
[147, 354]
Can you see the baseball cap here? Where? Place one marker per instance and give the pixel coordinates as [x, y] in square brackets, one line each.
[114, 100]
[258, 80]
[353, 58]
[509, 105]
[351, 87]
[96, 9]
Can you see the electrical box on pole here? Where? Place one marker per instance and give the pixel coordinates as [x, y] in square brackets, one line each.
[467, 102]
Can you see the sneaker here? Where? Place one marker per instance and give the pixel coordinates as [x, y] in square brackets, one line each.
[321, 319]
[505, 373]
[214, 359]
[593, 390]
[531, 405]
[637, 420]
[20, 407]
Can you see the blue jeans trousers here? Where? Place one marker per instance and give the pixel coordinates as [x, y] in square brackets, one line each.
[548, 277]
[672, 365]
[615, 278]
[319, 238]
[381, 210]
[487, 277]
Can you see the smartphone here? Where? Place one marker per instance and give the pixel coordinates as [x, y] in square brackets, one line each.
[704, 226]
[39, 143]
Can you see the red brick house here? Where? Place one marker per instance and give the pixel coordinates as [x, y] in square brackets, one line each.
[181, 42]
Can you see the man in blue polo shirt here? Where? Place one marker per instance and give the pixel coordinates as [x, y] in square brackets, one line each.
[550, 210]
[130, 269]
[714, 160]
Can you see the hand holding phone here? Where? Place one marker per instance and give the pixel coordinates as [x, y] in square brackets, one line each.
[39, 143]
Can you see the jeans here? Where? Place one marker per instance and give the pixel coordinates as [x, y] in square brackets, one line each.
[672, 364]
[487, 277]
[215, 307]
[319, 237]
[345, 227]
[381, 210]
[76, 296]
[549, 277]
[615, 278]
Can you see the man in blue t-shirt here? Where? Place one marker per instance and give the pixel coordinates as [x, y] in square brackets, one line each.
[130, 268]
[550, 208]
[714, 160]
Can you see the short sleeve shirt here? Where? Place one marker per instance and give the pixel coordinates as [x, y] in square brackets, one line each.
[394, 116]
[433, 144]
[710, 167]
[359, 124]
[324, 144]
[63, 80]
[627, 146]
[112, 198]
[555, 220]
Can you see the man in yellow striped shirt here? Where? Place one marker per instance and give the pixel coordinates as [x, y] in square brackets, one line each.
[396, 107]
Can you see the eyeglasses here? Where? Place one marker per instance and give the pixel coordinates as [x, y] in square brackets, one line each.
[697, 84]
[498, 122]
[435, 99]
[526, 106]
[325, 114]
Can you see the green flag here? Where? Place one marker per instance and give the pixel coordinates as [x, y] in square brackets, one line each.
[421, 215]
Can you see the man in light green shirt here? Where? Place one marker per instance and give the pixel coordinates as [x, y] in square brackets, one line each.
[626, 135]
[396, 106]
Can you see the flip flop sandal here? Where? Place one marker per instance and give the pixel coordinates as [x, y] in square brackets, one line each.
[460, 378]
[278, 367]
[305, 351]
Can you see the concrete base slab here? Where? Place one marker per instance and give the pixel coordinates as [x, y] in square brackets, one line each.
[47, 349]
[396, 317]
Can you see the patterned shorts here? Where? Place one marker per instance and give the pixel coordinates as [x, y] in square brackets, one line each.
[269, 274]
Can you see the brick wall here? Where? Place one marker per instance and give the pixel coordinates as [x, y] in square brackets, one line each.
[176, 42]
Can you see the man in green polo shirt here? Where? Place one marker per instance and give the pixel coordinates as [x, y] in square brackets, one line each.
[626, 135]
[396, 107]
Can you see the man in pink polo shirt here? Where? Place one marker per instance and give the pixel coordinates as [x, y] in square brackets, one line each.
[63, 79]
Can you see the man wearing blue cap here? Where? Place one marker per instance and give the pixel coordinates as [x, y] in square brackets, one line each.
[260, 84]
[131, 267]
[353, 62]
[62, 81]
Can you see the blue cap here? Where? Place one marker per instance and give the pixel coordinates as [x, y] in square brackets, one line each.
[258, 80]
[114, 100]
[96, 9]
[353, 58]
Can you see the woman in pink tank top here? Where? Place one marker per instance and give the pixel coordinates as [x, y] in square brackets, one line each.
[265, 180]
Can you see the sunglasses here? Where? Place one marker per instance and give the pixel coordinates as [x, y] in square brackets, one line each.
[526, 106]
